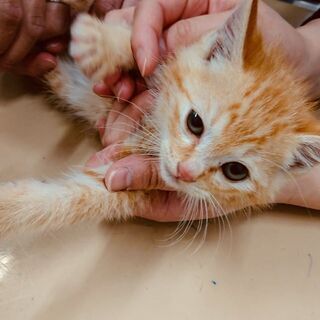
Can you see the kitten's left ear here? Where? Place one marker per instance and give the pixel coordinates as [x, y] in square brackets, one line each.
[307, 153]
[239, 39]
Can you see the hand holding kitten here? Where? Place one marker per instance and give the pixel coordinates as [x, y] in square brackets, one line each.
[33, 32]
[135, 172]
[31, 35]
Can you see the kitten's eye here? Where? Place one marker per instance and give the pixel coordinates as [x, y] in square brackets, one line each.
[235, 171]
[195, 124]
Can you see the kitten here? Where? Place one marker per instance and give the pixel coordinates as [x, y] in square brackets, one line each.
[230, 124]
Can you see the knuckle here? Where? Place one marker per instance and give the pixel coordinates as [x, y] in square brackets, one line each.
[153, 177]
[36, 26]
[11, 12]
[183, 29]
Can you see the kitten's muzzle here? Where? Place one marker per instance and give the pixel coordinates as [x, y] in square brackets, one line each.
[185, 172]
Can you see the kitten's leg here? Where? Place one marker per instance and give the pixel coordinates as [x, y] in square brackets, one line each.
[99, 48]
[34, 205]
[74, 92]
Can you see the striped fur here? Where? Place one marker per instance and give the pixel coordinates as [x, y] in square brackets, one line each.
[254, 107]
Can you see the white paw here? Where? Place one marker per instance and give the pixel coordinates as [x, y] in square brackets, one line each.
[87, 46]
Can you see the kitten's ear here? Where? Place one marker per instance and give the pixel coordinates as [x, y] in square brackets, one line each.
[239, 39]
[307, 153]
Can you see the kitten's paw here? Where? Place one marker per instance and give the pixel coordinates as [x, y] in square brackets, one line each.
[86, 46]
[98, 48]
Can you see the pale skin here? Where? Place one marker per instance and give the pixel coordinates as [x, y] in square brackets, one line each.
[161, 19]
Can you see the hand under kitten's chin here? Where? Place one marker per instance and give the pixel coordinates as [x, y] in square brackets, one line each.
[170, 179]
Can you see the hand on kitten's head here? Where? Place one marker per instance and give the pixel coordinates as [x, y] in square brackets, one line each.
[180, 33]
[180, 23]
[144, 174]
[136, 172]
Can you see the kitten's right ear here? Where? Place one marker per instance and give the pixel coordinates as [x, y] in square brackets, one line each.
[239, 40]
[307, 153]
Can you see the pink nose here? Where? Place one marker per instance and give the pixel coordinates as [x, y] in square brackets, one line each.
[184, 173]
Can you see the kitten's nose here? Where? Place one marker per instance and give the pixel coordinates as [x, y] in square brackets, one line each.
[185, 173]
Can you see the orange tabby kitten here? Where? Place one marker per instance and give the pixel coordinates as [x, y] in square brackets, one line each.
[231, 122]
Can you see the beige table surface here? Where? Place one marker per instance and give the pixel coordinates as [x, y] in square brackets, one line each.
[266, 266]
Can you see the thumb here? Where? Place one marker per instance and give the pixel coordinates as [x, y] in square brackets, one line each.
[187, 31]
[134, 172]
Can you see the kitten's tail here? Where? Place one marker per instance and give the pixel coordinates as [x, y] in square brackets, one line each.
[32, 204]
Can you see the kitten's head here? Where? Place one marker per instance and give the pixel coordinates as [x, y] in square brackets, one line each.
[234, 120]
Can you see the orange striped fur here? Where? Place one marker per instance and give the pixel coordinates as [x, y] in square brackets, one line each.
[254, 108]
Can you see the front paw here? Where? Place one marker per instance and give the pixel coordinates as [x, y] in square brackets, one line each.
[87, 47]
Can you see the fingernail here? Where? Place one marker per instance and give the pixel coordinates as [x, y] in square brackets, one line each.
[141, 60]
[118, 88]
[119, 179]
[46, 66]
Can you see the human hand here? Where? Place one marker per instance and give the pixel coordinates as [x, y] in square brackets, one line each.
[160, 27]
[123, 85]
[144, 174]
[154, 17]
[134, 171]
[102, 7]
[30, 35]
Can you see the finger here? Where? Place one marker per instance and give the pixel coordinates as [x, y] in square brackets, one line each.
[120, 15]
[57, 20]
[118, 126]
[101, 126]
[104, 156]
[36, 65]
[101, 7]
[10, 18]
[55, 45]
[151, 17]
[30, 31]
[125, 118]
[124, 88]
[185, 32]
[220, 6]
[129, 3]
[104, 88]
[166, 206]
[134, 172]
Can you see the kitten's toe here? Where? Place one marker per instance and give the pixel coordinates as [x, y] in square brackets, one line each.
[100, 48]
[88, 48]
